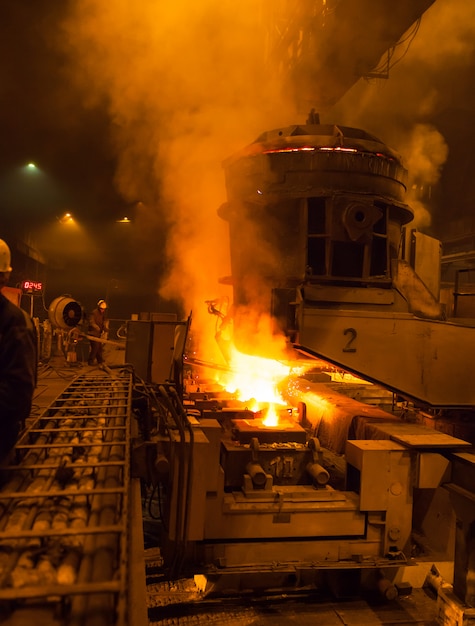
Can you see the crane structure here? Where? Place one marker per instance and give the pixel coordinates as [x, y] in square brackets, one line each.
[319, 49]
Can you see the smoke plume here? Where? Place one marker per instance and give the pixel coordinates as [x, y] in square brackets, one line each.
[185, 86]
[429, 81]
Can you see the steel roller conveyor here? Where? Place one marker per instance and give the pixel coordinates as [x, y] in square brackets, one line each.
[64, 524]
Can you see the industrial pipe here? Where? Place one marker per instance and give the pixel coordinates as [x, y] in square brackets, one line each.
[257, 474]
[318, 473]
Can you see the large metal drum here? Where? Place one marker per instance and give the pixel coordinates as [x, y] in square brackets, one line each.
[65, 313]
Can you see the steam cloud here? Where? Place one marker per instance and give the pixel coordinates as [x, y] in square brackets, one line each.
[185, 86]
[427, 152]
[431, 76]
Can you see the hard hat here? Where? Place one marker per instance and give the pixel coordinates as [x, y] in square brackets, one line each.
[5, 257]
[102, 304]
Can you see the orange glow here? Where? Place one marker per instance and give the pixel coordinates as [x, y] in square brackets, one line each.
[271, 419]
[290, 149]
[256, 380]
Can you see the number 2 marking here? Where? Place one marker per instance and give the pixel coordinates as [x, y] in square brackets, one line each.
[353, 334]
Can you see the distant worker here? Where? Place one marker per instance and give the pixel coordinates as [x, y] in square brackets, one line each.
[98, 327]
[18, 363]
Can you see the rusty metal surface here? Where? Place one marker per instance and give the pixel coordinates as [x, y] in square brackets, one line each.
[64, 504]
[423, 364]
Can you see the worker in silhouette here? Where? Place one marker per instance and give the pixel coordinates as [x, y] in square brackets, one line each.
[98, 327]
[18, 364]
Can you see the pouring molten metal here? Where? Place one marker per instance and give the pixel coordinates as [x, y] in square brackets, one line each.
[256, 380]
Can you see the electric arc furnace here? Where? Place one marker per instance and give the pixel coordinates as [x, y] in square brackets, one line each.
[330, 256]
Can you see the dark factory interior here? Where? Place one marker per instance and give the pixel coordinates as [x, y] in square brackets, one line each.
[274, 199]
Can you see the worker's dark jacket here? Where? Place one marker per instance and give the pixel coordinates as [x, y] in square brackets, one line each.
[98, 323]
[18, 372]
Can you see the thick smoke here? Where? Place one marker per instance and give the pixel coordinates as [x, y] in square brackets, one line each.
[427, 75]
[185, 86]
[426, 154]
[431, 74]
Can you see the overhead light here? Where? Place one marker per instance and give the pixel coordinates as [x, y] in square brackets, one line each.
[67, 218]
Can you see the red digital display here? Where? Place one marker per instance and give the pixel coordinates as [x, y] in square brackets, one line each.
[32, 286]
